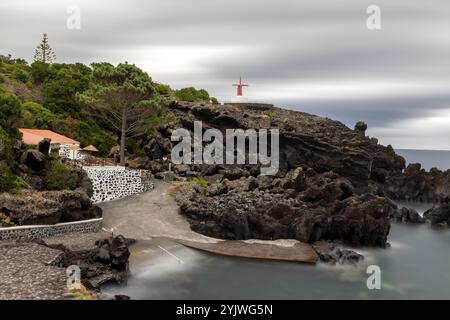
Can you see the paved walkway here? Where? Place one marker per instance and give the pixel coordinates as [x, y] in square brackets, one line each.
[149, 215]
[155, 214]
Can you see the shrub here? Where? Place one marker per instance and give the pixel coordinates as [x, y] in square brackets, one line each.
[54, 156]
[5, 221]
[7, 179]
[6, 151]
[163, 89]
[200, 181]
[2, 78]
[202, 94]
[191, 94]
[21, 75]
[214, 100]
[269, 114]
[59, 177]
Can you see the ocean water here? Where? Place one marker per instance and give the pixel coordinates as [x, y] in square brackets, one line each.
[416, 266]
[428, 158]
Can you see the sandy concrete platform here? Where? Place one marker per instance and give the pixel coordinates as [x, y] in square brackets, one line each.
[298, 252]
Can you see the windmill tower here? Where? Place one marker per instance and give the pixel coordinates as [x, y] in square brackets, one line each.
[239, 99]
[239, 91]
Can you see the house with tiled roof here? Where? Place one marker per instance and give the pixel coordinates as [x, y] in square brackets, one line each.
[64, 146]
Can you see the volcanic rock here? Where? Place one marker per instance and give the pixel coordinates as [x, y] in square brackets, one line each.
[34, 159]
[44, 146]
[407, 215]
[48, 207]
[438, 215]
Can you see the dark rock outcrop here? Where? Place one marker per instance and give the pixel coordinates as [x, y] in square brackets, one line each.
[106, 261]
[341, 192]
[361, 127]
[407, 215]
[438, 215]
[48, 207]
[44, 146]
[334, 253]
[34, 159]
[331, 184]
[305, 140]
[156, 148]
[416, 184]
[303, 205]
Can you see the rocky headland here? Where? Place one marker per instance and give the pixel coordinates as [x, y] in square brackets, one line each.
[335, 187]
[334, 182]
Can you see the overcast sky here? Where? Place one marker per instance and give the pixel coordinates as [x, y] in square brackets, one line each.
[316, 56]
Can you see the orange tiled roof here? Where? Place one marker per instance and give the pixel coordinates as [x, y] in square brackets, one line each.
[34, 136]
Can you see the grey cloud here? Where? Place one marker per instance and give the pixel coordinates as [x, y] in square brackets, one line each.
[274, 42]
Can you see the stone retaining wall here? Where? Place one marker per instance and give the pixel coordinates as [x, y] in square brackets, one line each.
[110, 182]
[45, 231]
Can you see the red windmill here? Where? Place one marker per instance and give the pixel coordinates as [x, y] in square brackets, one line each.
[239, 87]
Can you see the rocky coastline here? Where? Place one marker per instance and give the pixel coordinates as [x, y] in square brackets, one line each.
[334, 183]
[336, 187]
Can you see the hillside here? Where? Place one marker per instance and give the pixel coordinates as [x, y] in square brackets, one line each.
[46, 96]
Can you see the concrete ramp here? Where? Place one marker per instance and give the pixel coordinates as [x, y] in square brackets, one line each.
[297, 252]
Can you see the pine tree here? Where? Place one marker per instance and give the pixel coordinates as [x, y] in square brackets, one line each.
[120, 96]
[44, 52]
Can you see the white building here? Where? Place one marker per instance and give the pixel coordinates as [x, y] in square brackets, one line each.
[66, 147]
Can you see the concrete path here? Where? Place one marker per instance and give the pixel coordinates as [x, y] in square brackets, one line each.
[155, 214]
[149, 215]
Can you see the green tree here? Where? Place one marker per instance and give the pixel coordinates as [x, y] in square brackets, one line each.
[36, 116]
[62, 83]
[44, 52]
[39, 71]
[10, 113]
[121, 96]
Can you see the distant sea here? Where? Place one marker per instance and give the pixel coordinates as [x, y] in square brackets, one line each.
[428, 158]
